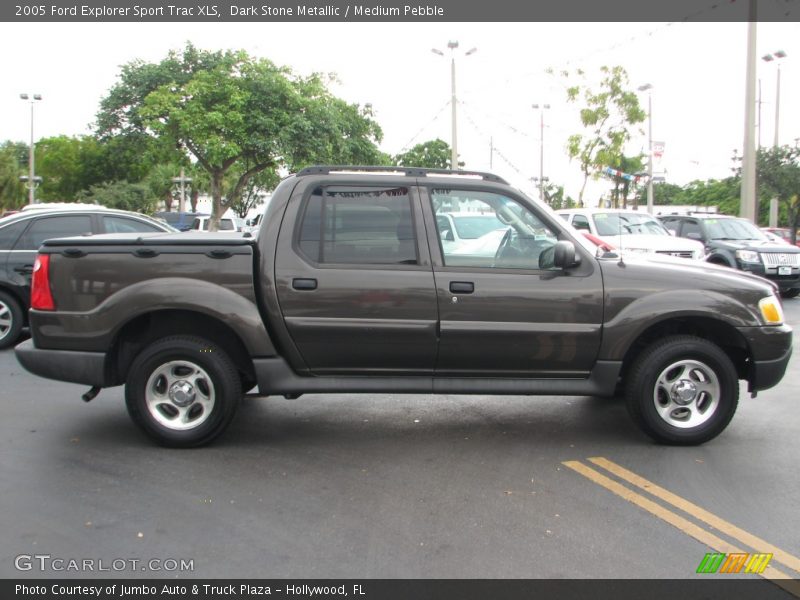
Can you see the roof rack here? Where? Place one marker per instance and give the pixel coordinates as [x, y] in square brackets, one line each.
[407, 171]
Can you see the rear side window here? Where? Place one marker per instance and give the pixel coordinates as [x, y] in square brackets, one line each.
[126, 225]
[692, 227]
[10, 233]
[671, 224]
[358, 226]
[48, 228]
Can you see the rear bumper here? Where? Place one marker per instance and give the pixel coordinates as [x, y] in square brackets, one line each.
[88, 368]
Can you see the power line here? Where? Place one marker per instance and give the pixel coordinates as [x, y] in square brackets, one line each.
[407, 145]
[494, 148]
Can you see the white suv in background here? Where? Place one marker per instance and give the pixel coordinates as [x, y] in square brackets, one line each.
[225, 224]
[632, 231]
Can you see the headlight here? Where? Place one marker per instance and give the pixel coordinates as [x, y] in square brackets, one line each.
[771, 310]
[748, 256]
[699, 254]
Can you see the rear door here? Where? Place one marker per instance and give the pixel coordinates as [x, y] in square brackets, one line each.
[504, 311]
[355, 286]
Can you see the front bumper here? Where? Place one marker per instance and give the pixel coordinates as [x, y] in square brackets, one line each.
[88, 368]
[784, 282]
[771, 349]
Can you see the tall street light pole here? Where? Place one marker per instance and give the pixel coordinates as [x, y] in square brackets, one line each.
[452, 46]
[648, 88]
[33, 98]
[776, 56]
[541, 108]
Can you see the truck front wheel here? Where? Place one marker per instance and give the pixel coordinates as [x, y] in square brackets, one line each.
[183, 391]
[682, 390]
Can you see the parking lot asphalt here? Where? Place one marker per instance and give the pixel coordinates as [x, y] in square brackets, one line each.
[393, 486]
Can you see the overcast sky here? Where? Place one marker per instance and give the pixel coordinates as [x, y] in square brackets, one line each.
[697, 71]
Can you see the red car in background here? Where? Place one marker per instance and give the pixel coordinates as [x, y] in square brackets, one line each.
[783, 233]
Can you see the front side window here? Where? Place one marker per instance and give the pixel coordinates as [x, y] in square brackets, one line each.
[358, 225]
[581, 223]
[48, 228]
[503, 233]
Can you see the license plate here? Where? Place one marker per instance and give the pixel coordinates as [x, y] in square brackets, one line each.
[784, 270]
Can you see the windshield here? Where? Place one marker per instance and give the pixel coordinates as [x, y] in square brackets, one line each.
[473, 227]
[627, 224]
[732, 229]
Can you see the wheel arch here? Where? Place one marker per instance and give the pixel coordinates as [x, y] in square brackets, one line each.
[717, 331]
[721, 258]
[144, 329]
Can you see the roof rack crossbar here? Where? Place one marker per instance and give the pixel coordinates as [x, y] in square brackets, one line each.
[407, 171]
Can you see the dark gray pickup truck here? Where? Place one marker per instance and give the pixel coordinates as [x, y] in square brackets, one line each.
[355, 283]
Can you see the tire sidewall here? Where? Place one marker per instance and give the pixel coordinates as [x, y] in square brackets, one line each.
[687, 349]
[206, 355]
[17, 317]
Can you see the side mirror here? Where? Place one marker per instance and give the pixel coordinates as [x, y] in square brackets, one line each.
[693, 235]
[564, 255]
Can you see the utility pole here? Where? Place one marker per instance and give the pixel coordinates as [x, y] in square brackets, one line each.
[648, 88]
[452, 45]
[541, 109]
[748, 200]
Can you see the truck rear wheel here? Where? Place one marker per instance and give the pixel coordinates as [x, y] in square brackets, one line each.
[183, 391]
[682, 390]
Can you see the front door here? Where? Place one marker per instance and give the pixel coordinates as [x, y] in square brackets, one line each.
[504, 309]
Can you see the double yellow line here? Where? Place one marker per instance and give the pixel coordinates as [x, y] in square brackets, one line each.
[788, 582]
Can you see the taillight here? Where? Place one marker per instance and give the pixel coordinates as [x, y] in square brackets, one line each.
[41, 298]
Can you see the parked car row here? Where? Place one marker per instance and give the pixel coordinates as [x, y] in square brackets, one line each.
[22, 234]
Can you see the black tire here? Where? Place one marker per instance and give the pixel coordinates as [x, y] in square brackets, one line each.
[11, 320]
[792, 293]
[680, 380]
[183, 391]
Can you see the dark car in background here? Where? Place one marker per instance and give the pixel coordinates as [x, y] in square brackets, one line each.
[21, 235]
[737, 243]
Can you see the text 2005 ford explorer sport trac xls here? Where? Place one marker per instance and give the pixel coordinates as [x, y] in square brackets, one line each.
[348, 287]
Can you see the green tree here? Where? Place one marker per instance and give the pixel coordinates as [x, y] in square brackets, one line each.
[136, 197]
[433, 154]
[607, 113]
[629, 165]
[722, 193]
[778, 171]
[243, 199]
[60, 162]
[667, 193]
[12, 191]
[235, 114]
